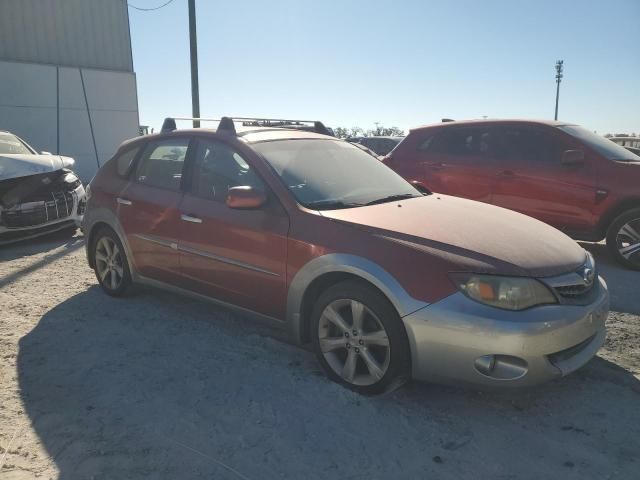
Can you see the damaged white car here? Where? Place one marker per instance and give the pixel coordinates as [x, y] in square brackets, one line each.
[39, 193]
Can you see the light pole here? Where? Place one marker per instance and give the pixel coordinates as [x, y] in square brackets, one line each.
[193, 49]
[559, 67]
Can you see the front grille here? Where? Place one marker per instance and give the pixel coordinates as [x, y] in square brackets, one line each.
[578, 287]
[574, 291]
[55, 206]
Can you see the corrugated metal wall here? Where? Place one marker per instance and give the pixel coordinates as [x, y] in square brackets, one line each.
[75, 33]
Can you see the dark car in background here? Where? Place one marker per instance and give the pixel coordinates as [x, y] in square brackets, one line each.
[379, 145]
[560, 173]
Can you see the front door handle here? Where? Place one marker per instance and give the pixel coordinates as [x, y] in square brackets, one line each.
[123, 201]
[190, 218]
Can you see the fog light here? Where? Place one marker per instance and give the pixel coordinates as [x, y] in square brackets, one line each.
[501, 367]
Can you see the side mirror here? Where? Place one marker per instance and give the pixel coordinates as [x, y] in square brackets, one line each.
[245, 197]
[420, 187]
[572, 157]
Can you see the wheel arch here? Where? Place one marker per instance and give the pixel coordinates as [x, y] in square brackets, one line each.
[614, 212]
[320, 273]
[103, 218]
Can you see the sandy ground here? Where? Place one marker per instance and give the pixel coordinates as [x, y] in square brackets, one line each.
[159, 386]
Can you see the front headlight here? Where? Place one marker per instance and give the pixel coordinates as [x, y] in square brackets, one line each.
[509, 293]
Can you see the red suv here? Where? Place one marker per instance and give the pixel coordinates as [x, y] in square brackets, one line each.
[315, 235]
[562, 174]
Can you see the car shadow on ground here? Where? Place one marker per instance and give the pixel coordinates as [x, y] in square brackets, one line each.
[160, 386]
[622, 282]
[33, 246]
[61, 243]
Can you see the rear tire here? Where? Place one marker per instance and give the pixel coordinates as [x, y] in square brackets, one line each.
[623, 239]
[110, 263]
[359, 339]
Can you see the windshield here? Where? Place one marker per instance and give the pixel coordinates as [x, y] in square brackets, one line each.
[10, 144]
[330, 174]
[602, 145]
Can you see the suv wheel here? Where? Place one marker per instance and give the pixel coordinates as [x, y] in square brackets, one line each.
[111, 267]
[359, 339]
[623, 239]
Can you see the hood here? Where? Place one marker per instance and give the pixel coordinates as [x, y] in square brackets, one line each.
[18, 165]
[472, 236]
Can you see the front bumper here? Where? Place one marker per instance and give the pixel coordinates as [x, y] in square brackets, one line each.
[71, 216]
[458, 340]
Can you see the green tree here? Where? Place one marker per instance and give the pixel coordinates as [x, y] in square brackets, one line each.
[379, 130]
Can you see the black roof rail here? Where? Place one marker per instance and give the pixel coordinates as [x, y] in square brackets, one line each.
[446, 120]
[228, 124]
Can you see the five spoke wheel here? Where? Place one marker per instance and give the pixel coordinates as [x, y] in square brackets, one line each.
[110, 263]
[354, 342]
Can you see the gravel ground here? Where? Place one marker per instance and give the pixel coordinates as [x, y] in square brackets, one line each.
[159, 386]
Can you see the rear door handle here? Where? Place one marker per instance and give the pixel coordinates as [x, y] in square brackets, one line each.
[507, 173]
[189, 218]
[123, 201]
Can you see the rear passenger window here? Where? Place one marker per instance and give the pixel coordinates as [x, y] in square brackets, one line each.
[161, 164]
[528, 144]
[465, 142]
[424, 145]
[123, 162]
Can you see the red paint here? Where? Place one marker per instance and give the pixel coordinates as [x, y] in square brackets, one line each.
[577, 199]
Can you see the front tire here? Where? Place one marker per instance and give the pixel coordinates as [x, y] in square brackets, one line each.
[359, 339]
[623, 239]
[110, 263]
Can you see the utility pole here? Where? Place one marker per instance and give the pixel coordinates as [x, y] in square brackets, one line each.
[193, 49]
[559, 67]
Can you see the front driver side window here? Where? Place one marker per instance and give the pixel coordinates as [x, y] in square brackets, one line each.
[218, 168]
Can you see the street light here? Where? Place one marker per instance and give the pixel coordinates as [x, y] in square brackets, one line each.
[559, 67]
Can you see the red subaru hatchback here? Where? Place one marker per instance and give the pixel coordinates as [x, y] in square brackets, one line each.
[313, 234]
[563, 174]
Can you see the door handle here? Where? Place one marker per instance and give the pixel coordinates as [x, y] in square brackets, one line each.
[435, 166]
[123, 201]
[507, 174]
[189, 218]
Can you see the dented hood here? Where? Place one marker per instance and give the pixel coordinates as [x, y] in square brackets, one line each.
[470, 235]
[21, 165]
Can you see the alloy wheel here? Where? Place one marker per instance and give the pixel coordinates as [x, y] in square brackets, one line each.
[109, 263]
[354, 342]
[628, 241]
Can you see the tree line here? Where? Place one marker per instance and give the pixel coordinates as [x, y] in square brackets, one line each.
[378, 131]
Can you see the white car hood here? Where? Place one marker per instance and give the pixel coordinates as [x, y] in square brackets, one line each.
[20, 165]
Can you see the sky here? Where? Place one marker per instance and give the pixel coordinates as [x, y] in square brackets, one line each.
[401, 63]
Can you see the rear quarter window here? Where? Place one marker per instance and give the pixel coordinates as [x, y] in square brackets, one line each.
[124, 161]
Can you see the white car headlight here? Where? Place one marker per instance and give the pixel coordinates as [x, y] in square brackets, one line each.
[509, 293]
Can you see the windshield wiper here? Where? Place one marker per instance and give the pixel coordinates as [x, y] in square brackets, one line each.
[330, 205]
[392, 198]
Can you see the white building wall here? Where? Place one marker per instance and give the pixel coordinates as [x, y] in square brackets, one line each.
[79, 112]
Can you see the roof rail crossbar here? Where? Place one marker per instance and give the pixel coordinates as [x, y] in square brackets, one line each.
[227, 123]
